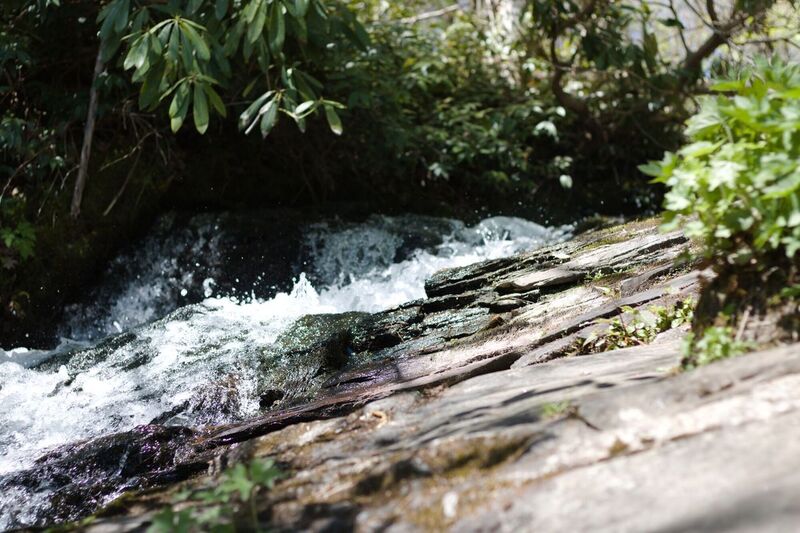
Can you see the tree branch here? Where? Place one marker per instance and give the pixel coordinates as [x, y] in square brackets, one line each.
[430, 14]
[88, 134]
[560, 68]
[694, 60]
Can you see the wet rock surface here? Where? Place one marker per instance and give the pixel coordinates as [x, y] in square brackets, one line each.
[86, 475]
[469, 411]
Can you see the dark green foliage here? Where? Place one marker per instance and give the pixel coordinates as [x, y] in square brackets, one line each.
[186, 54]
[736, 186]
[427, 103]
[625, 72]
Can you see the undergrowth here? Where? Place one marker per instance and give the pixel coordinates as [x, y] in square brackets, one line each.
[716, 343]
[228, 507]
[735, 189]
[638, 327]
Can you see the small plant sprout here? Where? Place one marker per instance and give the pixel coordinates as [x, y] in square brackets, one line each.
[638, 328]
[554, 410]
[228, 507]
[716, 343]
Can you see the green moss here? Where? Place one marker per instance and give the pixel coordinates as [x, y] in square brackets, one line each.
[554, 410]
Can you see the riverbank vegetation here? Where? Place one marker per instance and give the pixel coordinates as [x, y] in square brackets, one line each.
[735, 189]
[114, 111]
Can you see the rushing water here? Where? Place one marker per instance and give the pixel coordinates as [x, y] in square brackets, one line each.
[166, 358]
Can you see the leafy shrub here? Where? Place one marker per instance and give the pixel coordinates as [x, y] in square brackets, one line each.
[218, 509]
[430, 101]
[736, 186]
[716, 343]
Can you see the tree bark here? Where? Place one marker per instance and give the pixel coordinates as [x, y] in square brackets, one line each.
[88, 135]
[694, 61]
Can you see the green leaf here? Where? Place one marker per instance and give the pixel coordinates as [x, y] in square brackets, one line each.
[264, 472]
[269, 118]
[246, 118]
[149, 92]
[121, 19]
[249, 12]
[289, 5]
[362, 35]
[113, 15]
[216, 101]
[650, 169]
[155, 45]
[256, 27]
[334, 122]
[236, 480]
[110, 46]
[725, 86]
[141, 18]
[233, 37]
[179, 106]
[301, 81]
[199, 44]
[699, 149]
[301, 7]
[193, 6]
[671, 23]
[173, 49]
[163, 34]
[137, 54]
[187, 52]
[784, 187]
[221, 9]
[262, 55]
[200, 109]
[277, 28]
[305, 108]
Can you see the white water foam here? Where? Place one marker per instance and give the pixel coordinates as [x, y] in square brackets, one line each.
[132, 379]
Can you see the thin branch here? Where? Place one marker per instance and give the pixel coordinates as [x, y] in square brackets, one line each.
[560, 68]
[680, 27]
[699, 15]
[124, 184]
[88, 135]
[711, 8]
[18, 170]
[786, 39]
[134, 150]
[430, 14]
[722, 33]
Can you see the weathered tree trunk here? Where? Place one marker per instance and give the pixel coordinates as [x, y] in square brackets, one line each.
[88, 134]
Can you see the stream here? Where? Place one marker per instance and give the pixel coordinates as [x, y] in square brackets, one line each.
[191, 326]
